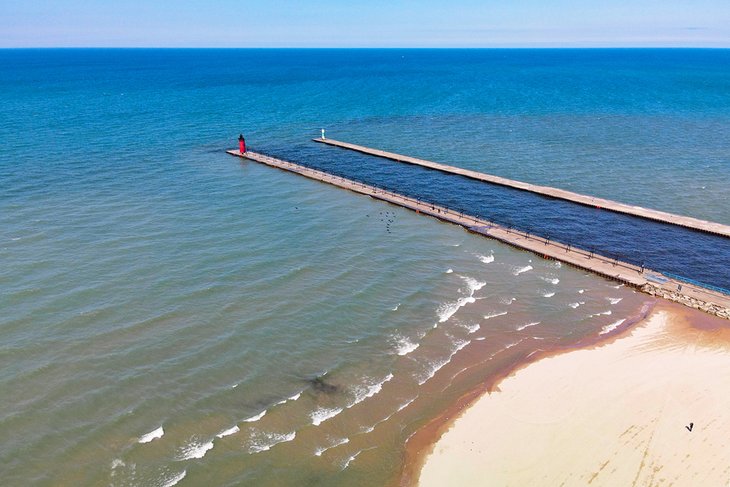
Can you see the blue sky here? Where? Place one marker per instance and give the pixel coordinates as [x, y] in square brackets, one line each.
[369, 23]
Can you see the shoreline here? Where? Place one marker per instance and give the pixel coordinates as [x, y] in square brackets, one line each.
[420, 445]
[484, 419]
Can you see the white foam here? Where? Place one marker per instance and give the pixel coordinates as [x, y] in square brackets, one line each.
[558, 265]
[507, 301]
[396, 307]
[513, 344]
[269, 440]
[607, 313]
[405, 405]
[343, 441]
[292, 398]
[349, 460]
[609, 328]
[548, 295]
[486, 258]
[459, 345]
[152, 435]
[449, 271]
[473, 284]
[174, 480]
[321, 415]
[581, 291]
[614, 300]
[230, 431]
[447, 310]
[434, 367]
[552, 280]
[495, 314]
[404, 346]
[472, 328]
[438, 365]
[256, 418]
[522, 327]
[369, 391]
[196, 449]
[617, 287]
[517, 272]
[574, 305]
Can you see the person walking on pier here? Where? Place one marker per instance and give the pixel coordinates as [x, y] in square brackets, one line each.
[241, 144]
[323, 137]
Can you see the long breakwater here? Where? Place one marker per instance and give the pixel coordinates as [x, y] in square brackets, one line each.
[640, 277]
[586, 200]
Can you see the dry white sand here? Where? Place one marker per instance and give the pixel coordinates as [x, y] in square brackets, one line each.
[615, 415]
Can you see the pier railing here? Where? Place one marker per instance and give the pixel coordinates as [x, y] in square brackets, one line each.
[675, 288]
[524, 231]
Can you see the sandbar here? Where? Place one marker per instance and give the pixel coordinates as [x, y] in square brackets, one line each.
[649, 407]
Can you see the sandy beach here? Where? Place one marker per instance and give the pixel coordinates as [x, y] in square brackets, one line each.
[650, 407]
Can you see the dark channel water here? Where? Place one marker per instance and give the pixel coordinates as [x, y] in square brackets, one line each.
[688, 254]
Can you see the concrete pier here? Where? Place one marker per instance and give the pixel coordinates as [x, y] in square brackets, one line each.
[645, 280]
[661, 216]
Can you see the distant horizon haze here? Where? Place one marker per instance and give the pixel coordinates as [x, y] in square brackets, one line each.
[378, 24]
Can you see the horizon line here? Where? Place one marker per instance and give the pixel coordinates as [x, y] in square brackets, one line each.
[445, 48]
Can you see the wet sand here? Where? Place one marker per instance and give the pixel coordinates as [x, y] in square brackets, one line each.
[617, 413]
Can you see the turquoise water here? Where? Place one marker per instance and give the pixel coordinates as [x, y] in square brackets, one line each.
[151, 281]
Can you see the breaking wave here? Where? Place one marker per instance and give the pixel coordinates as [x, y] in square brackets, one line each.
[607, 313]
[404, 346]
[318, 452]
[321, 415]
[522, 327]
[472, 328]
[230, 431]
[552, 280]
[196, 449]
[366, 392]
[448, 310]
[350, 459]
[152, 435]
[256, 418]
[517, 272]
[610, 327]
[169, 482]
[265, 441]
[473, 284]
[434, 367]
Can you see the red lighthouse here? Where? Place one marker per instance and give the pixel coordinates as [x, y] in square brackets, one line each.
[241, 144]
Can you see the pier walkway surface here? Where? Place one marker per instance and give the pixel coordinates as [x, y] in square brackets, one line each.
[649, 281]
[683, 221]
